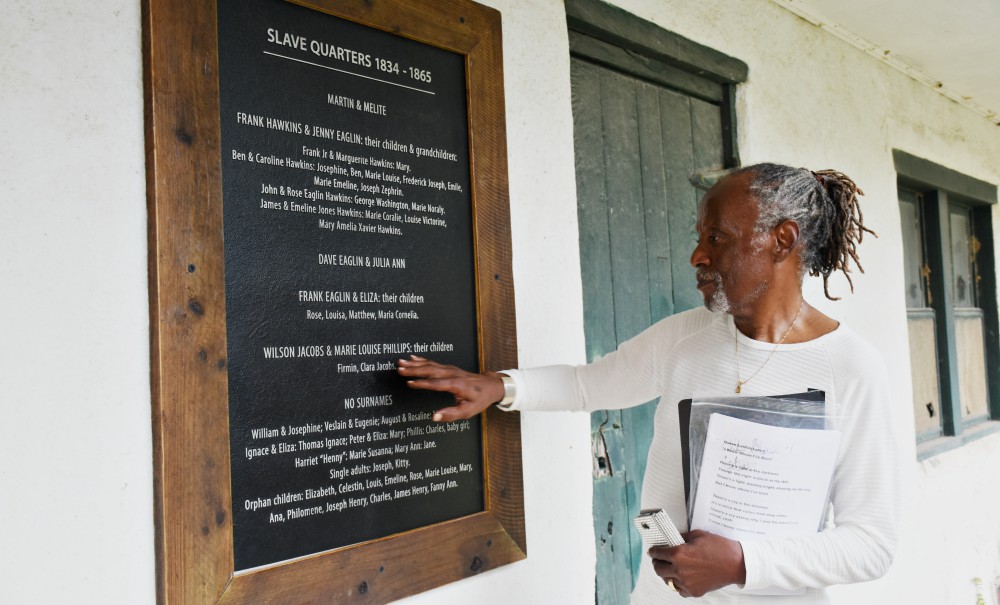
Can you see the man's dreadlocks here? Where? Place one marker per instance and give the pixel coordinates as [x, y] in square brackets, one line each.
[825, 206]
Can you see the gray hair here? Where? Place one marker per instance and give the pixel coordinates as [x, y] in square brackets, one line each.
[824, 204]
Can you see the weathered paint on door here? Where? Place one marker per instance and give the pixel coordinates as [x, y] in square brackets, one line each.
[637, 143]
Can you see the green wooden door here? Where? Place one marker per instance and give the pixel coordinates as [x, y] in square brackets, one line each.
[637, 143]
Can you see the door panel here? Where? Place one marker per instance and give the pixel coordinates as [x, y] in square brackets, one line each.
[637, 142]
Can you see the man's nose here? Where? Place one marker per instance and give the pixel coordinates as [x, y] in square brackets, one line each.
[698, 257]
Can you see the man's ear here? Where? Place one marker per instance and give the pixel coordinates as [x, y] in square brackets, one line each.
[786, 236]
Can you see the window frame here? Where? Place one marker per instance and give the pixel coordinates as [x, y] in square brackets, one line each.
[941, 190]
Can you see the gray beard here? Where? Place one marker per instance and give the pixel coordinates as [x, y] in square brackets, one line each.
[718, 302]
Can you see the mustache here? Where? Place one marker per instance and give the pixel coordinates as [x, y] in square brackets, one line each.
[705, 275]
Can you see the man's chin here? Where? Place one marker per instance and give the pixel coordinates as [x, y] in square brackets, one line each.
[716, 303]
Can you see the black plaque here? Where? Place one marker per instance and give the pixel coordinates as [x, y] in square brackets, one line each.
[348, 244]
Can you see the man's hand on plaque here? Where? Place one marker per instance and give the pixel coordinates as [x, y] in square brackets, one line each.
[473, 392]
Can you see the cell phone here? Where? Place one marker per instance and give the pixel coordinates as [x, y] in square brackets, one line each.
[657, 529]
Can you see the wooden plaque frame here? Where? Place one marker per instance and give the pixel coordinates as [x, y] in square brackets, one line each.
[194, 535]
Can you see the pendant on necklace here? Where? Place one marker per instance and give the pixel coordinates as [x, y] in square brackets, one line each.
[739, 386]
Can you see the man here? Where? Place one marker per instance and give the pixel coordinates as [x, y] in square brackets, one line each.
[760, 230]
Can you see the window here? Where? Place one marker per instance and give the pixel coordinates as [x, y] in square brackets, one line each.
[951, 303]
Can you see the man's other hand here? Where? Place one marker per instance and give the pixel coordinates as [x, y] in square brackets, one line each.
[706, 562]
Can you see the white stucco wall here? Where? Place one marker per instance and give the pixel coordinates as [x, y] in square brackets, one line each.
[75, 454]
[75, 441]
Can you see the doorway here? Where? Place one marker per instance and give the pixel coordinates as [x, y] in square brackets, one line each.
[649, 128]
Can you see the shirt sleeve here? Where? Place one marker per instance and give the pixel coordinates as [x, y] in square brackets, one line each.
[865, 495]
[626, 377]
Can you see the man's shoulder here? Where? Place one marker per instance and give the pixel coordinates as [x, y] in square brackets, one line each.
[681, 325]
[852, 354]
[668, 333]
[850, 342]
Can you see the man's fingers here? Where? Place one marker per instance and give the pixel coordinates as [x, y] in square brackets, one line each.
[457, 412]
[414, 361]
[427, 369]
[665, 553]
[425, 372]
[667, 571]
[448, 414]
[416, 365]
[433, 384]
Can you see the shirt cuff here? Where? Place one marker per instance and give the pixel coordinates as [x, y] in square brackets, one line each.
[518, 391]
[751, 562]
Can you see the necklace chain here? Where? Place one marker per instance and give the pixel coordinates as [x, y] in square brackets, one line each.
[739, 381]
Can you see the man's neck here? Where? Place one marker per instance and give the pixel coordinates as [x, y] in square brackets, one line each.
[772, 322]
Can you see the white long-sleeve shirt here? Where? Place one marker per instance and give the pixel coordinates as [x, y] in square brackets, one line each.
[692, 355]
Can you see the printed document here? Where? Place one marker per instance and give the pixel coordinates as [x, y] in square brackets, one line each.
[762, 481]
